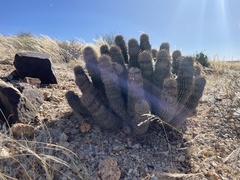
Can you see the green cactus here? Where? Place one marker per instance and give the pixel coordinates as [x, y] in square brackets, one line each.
[185, 79]
[133, 50]
[123, 96]
[176, 56]
[192, 102]
[120, 42]
[198, 87]
[76, 104]
[168, 100]
[120, 69]
[144, 43]
[146, 67]
[135, 89]
[140, 122]
[162, 71]
[90, 58]
[165, 46]
[102, 116]
[116, 55]
[84, 84]
[154, 54]
[104, 49]
[112, 87]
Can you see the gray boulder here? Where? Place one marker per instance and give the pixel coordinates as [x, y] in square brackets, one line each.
[36, 65]
[32, 93]
[14, 106]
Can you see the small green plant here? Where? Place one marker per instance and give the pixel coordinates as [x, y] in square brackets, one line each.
[202, 59]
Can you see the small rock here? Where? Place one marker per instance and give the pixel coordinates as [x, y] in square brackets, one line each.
[181, 158]
[214, 164]
[108, 169]
[33, 81]
[212, 175]
[136, 146]
[63, 137]
[15, 106]
[195, 168]
[20, 129]
[118, 148]
[32, 93]
[154, 178]
[84, 127]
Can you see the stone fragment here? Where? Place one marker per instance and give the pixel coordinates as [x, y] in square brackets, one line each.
[84, 127]
[15, 107]
[108, 169]
[33, 81]
[32, 93]
[20, 129]
[35, 65]
[63, 137]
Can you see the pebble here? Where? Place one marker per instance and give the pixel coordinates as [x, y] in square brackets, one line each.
[63, 137]
[118, 148]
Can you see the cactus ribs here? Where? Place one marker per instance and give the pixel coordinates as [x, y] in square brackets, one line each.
[126, 86]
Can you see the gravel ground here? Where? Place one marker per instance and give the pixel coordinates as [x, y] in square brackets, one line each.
[66, 146]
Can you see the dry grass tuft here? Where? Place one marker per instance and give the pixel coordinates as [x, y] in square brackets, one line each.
[31, 159]
[220, 67]
[58, 51]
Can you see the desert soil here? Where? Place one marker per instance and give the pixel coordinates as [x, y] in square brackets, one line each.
[208, 148]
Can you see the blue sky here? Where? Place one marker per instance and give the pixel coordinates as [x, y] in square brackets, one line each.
[212, 26]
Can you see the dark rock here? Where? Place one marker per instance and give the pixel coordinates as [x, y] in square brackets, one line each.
[35, 65]
[32, 93]
[14, 106]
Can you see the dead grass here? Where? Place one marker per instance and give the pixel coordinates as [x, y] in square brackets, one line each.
[31, 159]
[220, 67]
[58, 51]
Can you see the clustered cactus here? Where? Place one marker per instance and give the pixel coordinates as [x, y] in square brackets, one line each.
[126, 85]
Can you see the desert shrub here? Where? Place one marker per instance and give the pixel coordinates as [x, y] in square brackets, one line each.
[202, 59]
[71, 50]
[105, 38]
